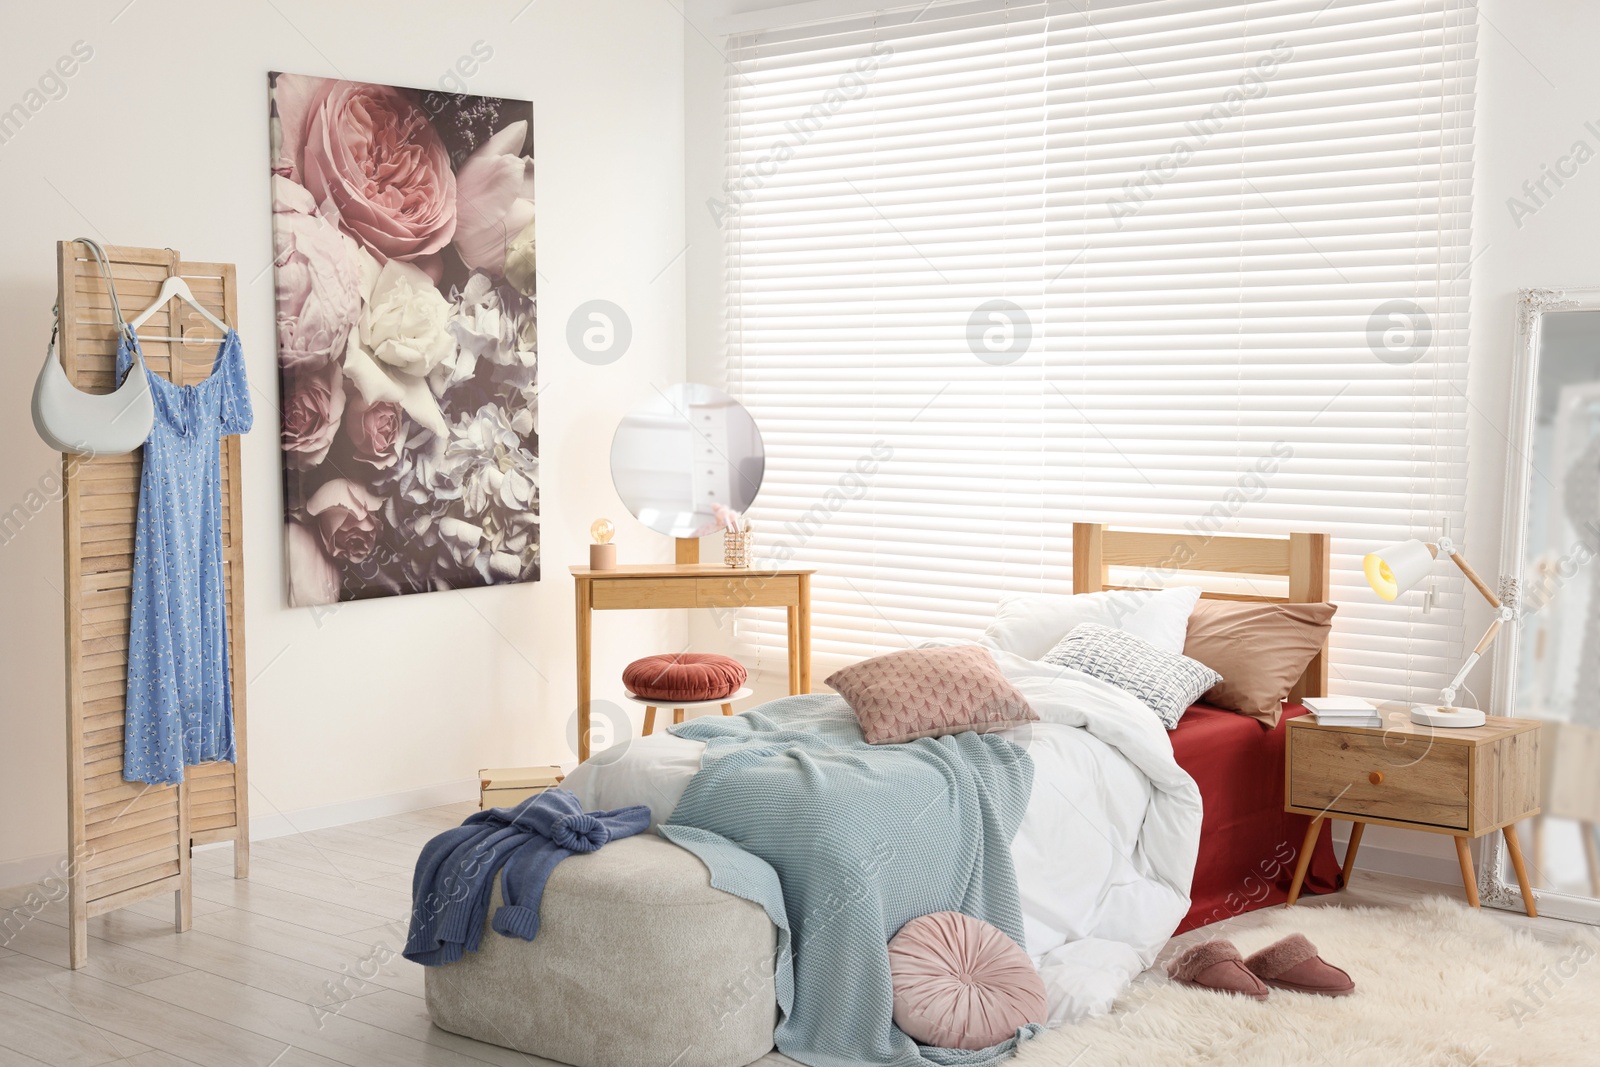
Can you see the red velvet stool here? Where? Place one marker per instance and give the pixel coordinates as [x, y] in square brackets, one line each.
[684, 680]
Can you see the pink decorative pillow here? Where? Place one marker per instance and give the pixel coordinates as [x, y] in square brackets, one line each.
[685, 676]
[930, 692]
[961, 983]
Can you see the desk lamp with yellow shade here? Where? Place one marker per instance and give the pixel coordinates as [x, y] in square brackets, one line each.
[1394, 570]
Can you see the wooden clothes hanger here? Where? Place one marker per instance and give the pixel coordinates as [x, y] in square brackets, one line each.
[175, 286]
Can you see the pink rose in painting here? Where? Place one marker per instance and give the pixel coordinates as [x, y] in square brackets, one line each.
[313, 577]
[292, 98]
[494, 200]
[318, 280]
[313, 406]
[375, 431]
[346, 515]
[371, 157]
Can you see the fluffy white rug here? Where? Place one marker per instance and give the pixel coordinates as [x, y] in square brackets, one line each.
[1437, 985]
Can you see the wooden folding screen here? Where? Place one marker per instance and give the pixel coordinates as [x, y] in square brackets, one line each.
[129, 841]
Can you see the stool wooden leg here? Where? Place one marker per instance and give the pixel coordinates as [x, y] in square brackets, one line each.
[677, 716]
[649, 721]
[1468, 878]
[1513, 847]
[1356, 830]
[727, 709]
[1305, 859]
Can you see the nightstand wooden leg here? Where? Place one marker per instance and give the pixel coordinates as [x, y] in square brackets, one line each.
[727, 709]
[1468, 878]
[677, 716]
[1515, 848]
[1356, 830]
[649, 721]
[1305, 859]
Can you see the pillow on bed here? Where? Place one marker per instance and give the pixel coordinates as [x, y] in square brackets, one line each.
[1260, 650]
[1030, 624]
[1166, 681]
[930, 692]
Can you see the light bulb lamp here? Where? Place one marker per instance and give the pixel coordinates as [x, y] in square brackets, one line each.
[602, 554]
[1394, 570]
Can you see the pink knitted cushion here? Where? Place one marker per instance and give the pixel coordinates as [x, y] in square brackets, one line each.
[961, 983]
[930, 692]
[684, 676]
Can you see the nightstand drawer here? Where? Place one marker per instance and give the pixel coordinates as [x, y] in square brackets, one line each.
[1352, 774]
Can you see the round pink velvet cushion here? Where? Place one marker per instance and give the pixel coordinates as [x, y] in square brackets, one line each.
[685, 676]
[961, 983]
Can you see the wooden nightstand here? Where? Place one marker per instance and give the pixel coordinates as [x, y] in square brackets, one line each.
[1465, 783]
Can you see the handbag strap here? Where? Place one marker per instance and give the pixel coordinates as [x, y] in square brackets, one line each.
[111, 290]
[123, 329]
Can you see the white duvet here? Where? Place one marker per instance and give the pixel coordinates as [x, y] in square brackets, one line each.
[1104, 856]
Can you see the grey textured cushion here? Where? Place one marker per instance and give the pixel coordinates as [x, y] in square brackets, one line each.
[638, 962]
[1167, 682]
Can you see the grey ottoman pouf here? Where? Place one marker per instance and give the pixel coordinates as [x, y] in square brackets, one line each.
[639, 962]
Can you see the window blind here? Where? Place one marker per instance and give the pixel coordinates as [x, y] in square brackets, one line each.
[996, 267]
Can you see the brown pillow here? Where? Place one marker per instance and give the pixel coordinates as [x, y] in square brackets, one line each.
[930, 692]
[1260, 650]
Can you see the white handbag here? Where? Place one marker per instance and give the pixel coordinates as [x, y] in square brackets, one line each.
[93, 424]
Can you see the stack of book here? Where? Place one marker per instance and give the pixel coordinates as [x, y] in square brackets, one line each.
[1343, 711]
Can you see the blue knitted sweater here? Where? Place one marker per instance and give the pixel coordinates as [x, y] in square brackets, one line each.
[455, 874]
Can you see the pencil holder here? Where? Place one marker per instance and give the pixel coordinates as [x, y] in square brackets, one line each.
[736, 548]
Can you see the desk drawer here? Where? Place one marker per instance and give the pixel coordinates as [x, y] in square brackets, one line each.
[1351, 774]
[644, 593]
[747, 590]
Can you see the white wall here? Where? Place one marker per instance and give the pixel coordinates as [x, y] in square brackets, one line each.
[161, 140]
[1537, 86]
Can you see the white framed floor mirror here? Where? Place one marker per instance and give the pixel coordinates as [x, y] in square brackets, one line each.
[1550, 567]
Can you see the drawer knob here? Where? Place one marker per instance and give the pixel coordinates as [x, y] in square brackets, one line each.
[1376, 777]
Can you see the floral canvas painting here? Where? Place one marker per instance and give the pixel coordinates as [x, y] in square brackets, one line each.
[403, 236]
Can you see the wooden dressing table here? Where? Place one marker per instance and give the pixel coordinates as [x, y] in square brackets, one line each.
[691, 585]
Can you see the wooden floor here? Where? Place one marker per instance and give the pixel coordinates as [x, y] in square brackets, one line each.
[299, 965]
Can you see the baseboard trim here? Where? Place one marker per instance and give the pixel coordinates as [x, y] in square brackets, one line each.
[302, 820]
[31, 870]
[1404, 864]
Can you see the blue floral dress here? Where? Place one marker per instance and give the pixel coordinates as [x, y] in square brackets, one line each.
[180, 695]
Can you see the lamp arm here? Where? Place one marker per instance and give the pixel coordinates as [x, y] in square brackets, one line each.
[1489, 635]
[1472, 575]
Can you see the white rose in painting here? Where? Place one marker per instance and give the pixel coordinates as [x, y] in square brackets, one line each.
[522, 264]
[494, 199]
[403, 334]
[313, 576]
[496, 325]
[468, 501]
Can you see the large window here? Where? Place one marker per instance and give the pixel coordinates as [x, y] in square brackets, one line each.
[997, 267]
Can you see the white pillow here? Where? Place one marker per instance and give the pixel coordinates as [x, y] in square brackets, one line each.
[1030, 624]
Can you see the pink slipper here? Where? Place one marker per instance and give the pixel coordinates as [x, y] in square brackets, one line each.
[1293, 964]
[1216, 965]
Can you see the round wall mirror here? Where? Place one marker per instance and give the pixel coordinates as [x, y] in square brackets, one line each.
[684, 460]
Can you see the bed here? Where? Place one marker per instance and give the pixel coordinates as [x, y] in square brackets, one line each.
[1248, 843]
[1131, 833]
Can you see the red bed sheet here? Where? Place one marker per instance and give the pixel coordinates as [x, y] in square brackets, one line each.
[1248, 843]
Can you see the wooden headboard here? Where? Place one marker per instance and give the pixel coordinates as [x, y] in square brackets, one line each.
[1302, 558]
